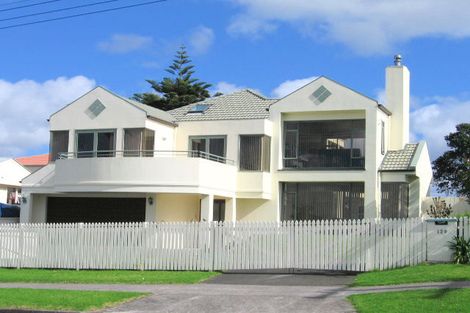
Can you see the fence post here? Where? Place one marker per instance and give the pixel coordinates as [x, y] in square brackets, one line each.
[79, 245]
[20, 246]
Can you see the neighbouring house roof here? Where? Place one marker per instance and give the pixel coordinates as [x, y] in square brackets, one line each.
[243, 104]
[399, 160]
[11, 173]
[35, 160]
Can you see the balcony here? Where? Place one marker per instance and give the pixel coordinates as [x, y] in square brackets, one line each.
[145, 171]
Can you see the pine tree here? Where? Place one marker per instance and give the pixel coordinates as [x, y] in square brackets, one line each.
[176, 91]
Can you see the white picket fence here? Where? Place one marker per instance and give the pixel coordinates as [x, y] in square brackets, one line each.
[357, 245]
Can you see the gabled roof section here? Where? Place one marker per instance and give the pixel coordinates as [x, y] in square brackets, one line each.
[240, 105]
[399, 160]
[150, 111]
[379, 106]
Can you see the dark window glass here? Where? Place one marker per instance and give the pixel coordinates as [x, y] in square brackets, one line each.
[95, 144]
[59, 143]
[219, 210]
[85, 145]
[317, 201]
[395, 200]
[324, 144]
[255, 153]
[212, 147]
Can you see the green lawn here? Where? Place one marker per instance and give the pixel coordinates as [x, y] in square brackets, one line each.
[415, 274]
[63, 300]
[429, 301]
[102, 277]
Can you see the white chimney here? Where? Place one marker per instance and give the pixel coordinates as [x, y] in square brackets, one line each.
[397, 93]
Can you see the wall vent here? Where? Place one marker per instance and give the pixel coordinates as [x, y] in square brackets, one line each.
[321, 94]
[95, 109]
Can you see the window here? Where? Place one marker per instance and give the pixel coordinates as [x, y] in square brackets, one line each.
[324, 144]
[219, 211]
[198, 108]
[317, 201]
[395, 200]
[255, 153]
[209, 147]
[138, 142]
[59, 143]
[382, 138]
[95, 143]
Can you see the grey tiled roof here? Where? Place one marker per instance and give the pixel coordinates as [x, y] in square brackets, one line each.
[399, 160]
[243, 104]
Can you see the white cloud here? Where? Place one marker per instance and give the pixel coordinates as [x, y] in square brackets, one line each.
[366, 26]
[289, 86]
[25, 107]
[201, 39]
[125, 43]
[437, 119]
[226, 88]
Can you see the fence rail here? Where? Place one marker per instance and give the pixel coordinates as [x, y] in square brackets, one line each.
[353, 245]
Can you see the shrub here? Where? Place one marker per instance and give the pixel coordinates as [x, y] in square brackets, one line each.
[439, 209]
[461, 249]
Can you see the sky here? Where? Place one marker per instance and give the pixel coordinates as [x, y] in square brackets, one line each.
[272, 46]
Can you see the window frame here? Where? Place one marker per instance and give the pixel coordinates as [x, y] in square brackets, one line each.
[320, 168]
[262, 167]
[95, 133]
[207, 145]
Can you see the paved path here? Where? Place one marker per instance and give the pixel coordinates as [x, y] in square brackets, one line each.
[261, 293]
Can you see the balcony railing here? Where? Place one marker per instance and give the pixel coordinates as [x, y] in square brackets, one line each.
[145, 154]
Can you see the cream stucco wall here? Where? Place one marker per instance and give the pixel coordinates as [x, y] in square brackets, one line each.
[177, 207]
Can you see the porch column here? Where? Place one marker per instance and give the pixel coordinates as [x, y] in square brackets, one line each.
[25, 208]
[150, 207]
[231, 210]
[207, 208]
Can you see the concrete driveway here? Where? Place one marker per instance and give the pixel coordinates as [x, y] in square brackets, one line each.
[248, 293]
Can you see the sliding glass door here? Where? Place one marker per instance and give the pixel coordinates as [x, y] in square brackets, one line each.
[96, 143]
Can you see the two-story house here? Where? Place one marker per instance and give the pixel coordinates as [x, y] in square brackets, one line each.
[324, 151]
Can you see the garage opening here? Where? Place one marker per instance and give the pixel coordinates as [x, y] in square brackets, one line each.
[95, 210]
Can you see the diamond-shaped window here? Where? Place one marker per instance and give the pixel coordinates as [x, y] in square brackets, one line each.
[320, 94]
[95, 109]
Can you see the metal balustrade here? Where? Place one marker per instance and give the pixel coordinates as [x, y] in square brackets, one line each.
[145, 154]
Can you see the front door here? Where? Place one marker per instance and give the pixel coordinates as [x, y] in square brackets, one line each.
[219, 210]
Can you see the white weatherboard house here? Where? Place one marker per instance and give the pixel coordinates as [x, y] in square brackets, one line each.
[324, 151]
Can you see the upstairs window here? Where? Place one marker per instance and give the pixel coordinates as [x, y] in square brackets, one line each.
[139, 142]
[324, 144]
[96, 143]
[209, 147]
[255, 153]
[59, 143]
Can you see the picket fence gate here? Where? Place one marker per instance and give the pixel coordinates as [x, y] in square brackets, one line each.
[345, 245]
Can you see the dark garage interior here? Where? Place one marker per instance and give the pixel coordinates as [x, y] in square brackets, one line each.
[95, 210]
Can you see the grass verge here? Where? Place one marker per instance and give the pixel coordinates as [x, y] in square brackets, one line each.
[62, 300]
[102, 277]
[414, 274]
[429, 301]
